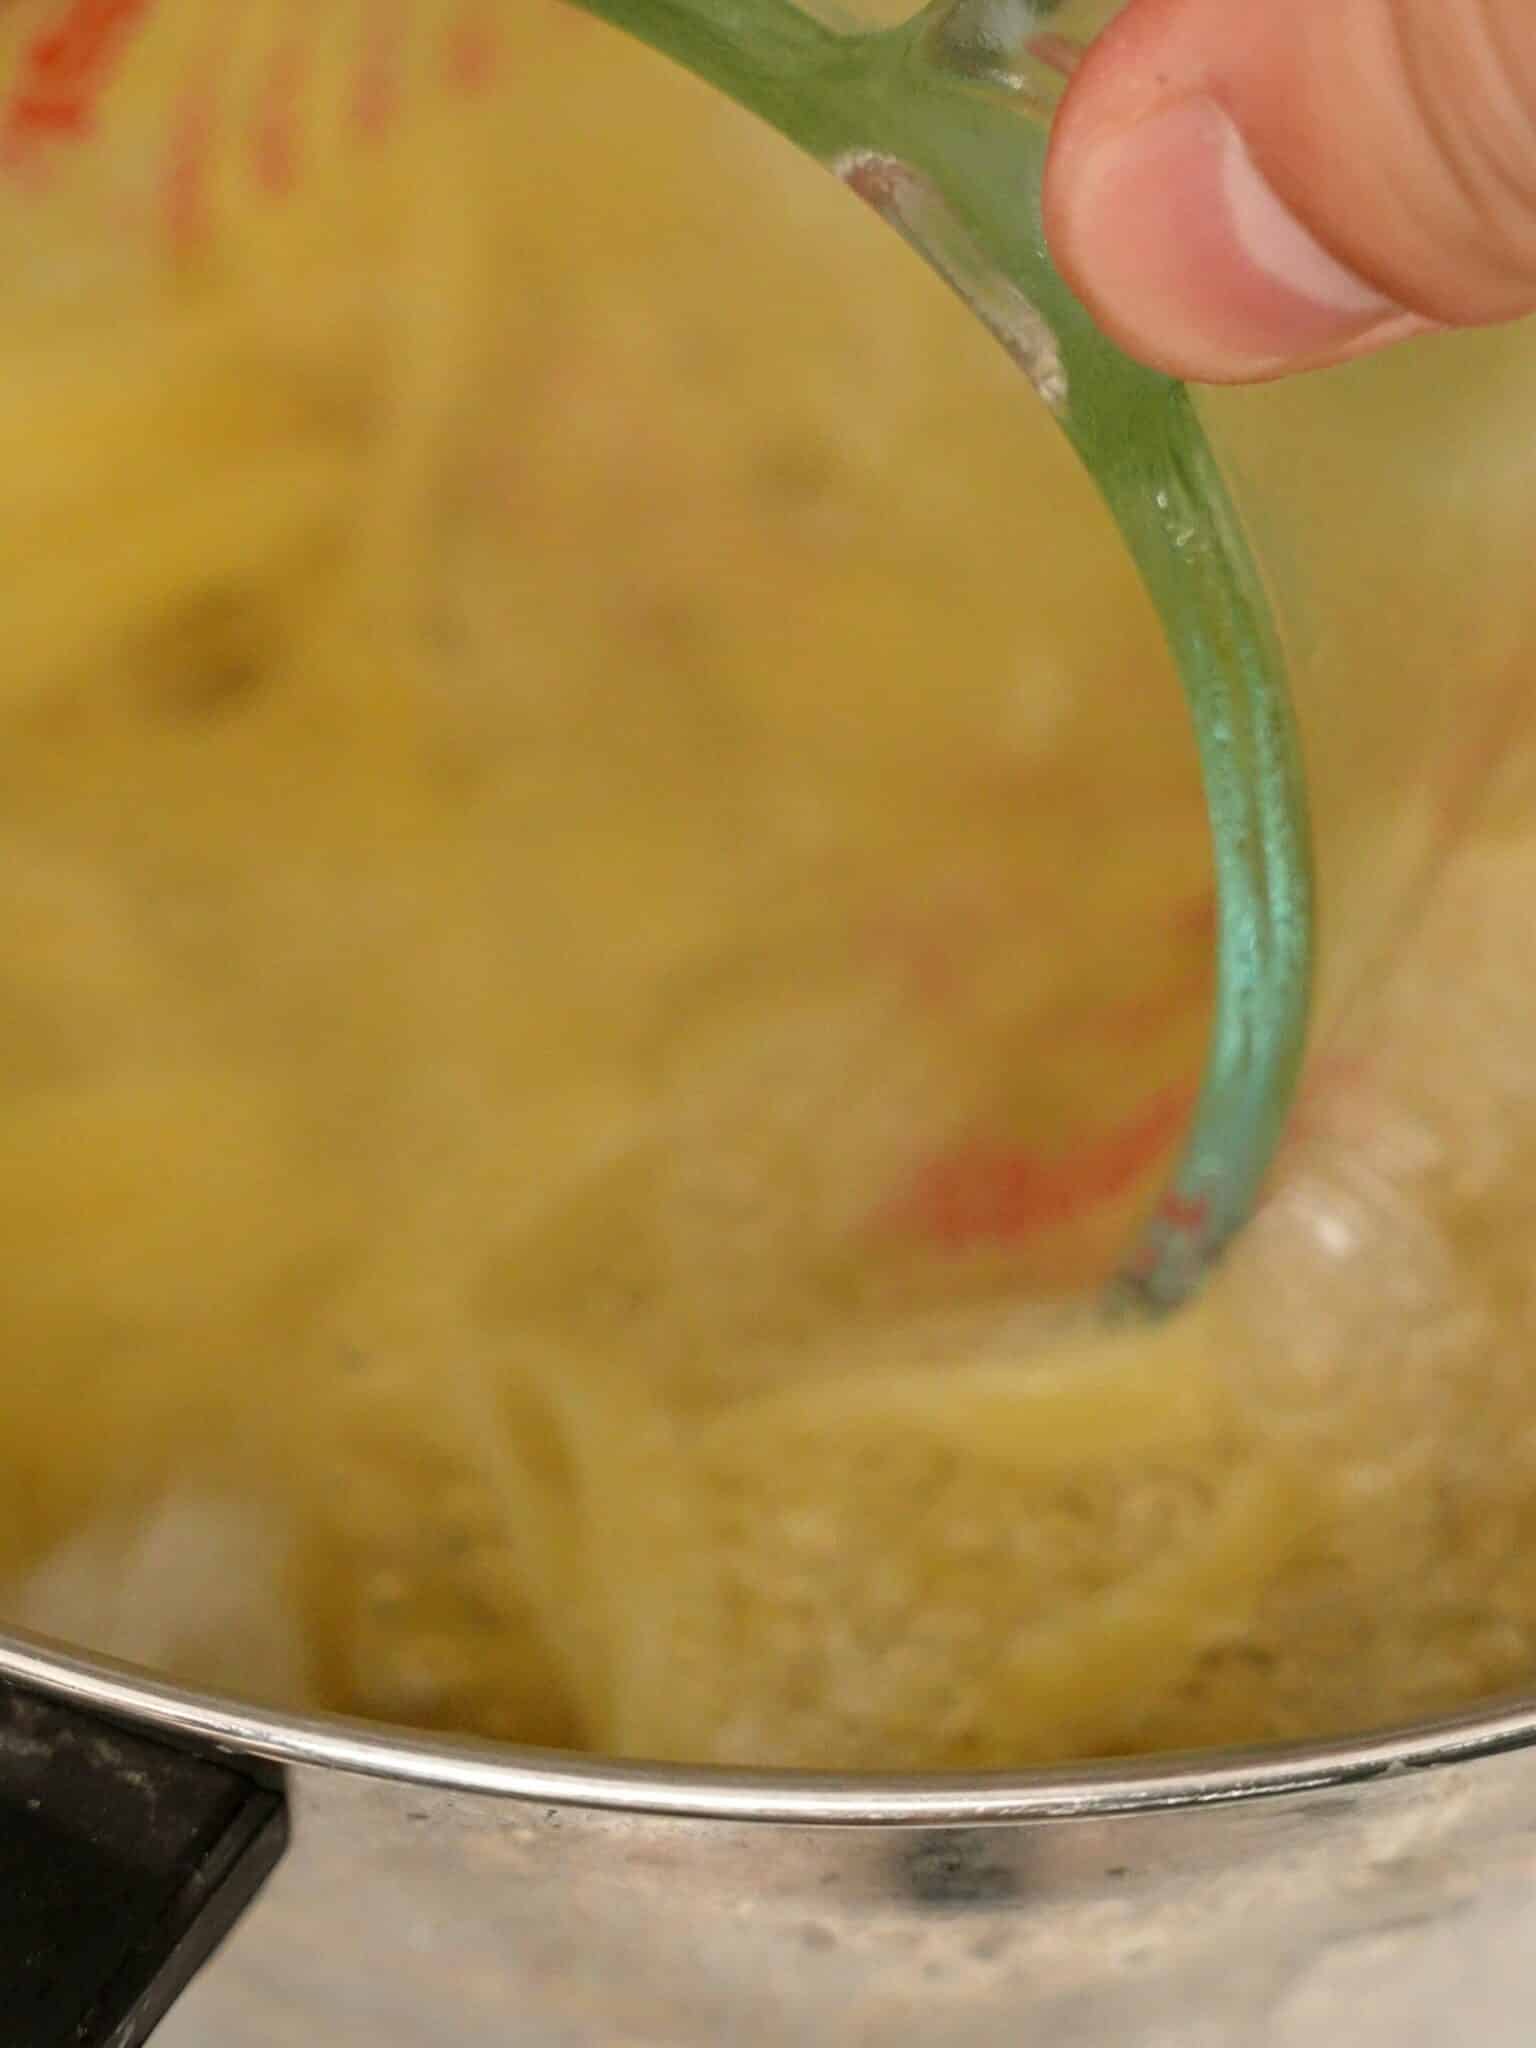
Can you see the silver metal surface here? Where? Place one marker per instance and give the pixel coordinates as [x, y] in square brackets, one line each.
[1354, 1894]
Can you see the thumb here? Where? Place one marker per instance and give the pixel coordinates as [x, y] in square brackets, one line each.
[1240, 188]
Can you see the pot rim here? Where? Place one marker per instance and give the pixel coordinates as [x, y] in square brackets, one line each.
[553, 1778]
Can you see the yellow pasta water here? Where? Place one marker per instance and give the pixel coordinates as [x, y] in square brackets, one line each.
[594, 937]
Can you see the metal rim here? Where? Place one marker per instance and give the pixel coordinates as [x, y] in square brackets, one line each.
[551, 1778]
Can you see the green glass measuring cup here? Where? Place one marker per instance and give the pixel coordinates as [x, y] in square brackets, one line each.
[941, 123]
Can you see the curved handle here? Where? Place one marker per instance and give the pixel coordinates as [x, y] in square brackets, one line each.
[124, 1862]
[942, 125]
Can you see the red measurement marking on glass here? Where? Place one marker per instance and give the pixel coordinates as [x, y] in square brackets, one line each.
[472, 50]
[1187, 1213]
[276, 138]
[468, 53]
[189, 158]
[999, 1194]
[62, 75]
[379, 90]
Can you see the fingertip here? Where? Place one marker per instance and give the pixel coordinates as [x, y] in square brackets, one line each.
[1190, 259]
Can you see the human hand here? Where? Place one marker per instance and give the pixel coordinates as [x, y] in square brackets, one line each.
[1239, 189]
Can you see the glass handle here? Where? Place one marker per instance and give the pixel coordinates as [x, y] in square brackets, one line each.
[941, 125]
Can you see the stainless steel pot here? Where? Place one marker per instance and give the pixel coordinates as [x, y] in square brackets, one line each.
[1346, 1895]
